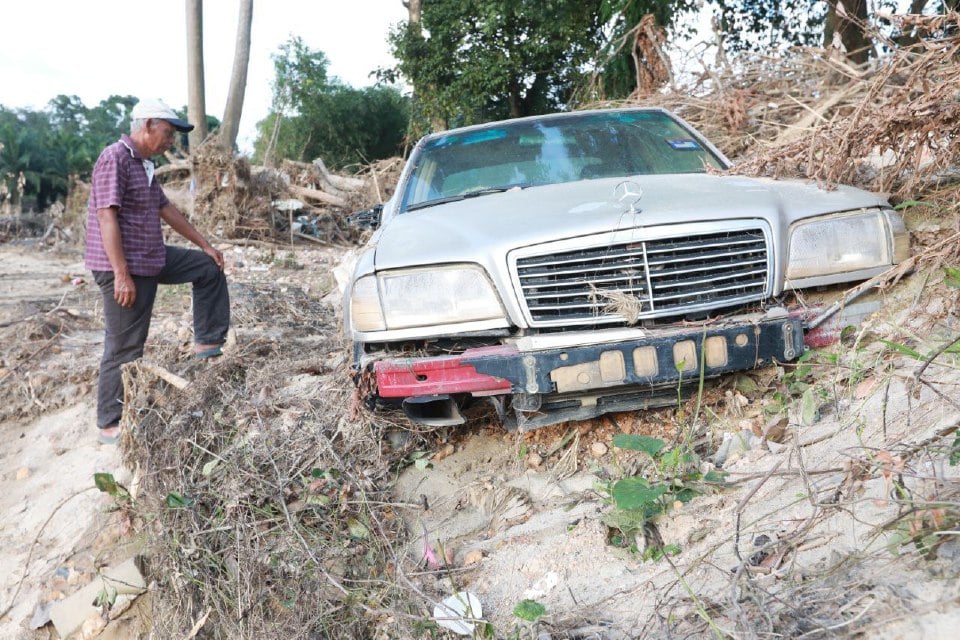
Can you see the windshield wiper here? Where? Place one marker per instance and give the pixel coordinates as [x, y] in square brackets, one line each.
[469, 194]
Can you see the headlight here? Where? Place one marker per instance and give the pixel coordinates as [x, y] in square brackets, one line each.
[424, 297]
[365, 311]
[845, 243]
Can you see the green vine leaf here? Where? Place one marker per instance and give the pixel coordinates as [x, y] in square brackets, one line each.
[635, 493]
[650, 446]
[529, 610]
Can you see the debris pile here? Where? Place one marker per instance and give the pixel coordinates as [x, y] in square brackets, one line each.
[263, 494]
[236, 200]
[888, 127]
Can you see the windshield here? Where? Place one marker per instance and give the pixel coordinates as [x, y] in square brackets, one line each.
[552, 150]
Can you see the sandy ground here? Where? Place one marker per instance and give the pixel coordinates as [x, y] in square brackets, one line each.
[805, 540]
[54, 520]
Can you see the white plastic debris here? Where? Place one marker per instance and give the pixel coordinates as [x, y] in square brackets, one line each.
[288, 205]
[450, 613]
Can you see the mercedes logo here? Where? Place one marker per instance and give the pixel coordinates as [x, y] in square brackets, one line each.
[628, 194]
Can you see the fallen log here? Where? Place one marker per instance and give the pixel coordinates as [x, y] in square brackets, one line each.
[338, 182]
[179, 167]
[319, 196]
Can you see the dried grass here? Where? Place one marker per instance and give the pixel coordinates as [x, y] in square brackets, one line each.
[890, 127]
[264, 503]
[26, 389]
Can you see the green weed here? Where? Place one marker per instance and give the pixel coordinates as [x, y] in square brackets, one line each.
[674, 478]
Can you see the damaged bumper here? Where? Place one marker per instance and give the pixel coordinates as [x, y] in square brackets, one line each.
[588, 365]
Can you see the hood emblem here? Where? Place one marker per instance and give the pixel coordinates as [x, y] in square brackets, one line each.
[628, 194]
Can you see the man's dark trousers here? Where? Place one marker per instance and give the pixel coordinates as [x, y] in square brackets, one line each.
[127, 328]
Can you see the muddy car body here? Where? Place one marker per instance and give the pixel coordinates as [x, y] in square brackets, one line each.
[569, 265]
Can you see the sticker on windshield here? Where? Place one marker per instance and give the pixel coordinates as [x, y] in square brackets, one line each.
[683, 144]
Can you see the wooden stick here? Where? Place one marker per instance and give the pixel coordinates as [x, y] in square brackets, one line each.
[310, 238]
[160, 372]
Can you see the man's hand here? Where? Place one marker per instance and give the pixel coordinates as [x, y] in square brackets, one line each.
[124, 290]
[172, 216]
[217, 257]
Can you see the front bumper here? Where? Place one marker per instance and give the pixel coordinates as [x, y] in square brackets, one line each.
[591, 362]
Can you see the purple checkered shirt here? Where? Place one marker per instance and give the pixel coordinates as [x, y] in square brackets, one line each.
[120, 180]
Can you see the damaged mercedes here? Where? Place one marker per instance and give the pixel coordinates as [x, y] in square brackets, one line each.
[569, 265]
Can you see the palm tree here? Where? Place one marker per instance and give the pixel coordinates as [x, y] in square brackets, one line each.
[196, 101]
[238, 78]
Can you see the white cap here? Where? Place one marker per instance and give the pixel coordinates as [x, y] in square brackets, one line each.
[158, 110]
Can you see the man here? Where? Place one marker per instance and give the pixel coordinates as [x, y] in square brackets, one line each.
[128, 257]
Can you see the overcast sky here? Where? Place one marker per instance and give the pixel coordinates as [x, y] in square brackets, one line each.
[98, 48]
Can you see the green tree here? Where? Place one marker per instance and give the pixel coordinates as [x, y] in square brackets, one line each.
[30, 158]
[40, 150]
[764, 25]
[476, 60]
[314, 116]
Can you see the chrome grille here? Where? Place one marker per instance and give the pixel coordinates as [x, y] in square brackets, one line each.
[666, 277]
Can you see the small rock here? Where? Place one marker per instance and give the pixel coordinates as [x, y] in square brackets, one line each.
[41, 615]
[184, 334]
[474, 556]
[398, 439]
[23, 473]
[444, 452]
[534, 460]
[39, 380]
[776, 447]
[733, 446]
[747, 424]
[598, 449]
[91, 627]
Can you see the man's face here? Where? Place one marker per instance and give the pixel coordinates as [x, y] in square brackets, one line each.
[160, 136]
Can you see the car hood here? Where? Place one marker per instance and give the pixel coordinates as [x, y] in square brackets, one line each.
[493, 224]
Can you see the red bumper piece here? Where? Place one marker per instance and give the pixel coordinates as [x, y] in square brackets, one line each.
[405, 377]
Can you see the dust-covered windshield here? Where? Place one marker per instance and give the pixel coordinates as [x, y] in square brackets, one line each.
[551, 150]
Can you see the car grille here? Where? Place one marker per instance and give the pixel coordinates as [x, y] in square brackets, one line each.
[641, 280]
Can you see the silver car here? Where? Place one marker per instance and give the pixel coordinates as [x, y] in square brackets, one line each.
[569, 265]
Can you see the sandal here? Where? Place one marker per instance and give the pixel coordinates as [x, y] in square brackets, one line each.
[212, 352]
[105, 438]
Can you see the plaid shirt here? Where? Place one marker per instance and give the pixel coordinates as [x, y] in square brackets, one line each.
[120, 180]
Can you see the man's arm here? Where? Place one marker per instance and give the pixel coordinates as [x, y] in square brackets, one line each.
[124, 290]
[172, 216]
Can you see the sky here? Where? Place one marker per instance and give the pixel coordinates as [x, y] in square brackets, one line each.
[98, 48]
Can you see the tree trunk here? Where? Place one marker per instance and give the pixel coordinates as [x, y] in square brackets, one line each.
[850, 24]
[414, 11]
[414, 20]
[238, 78]
[196, 102]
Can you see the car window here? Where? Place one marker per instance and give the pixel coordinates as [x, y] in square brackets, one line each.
[554, 150]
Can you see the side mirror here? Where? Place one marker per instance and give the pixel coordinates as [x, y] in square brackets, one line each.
[366, 218]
